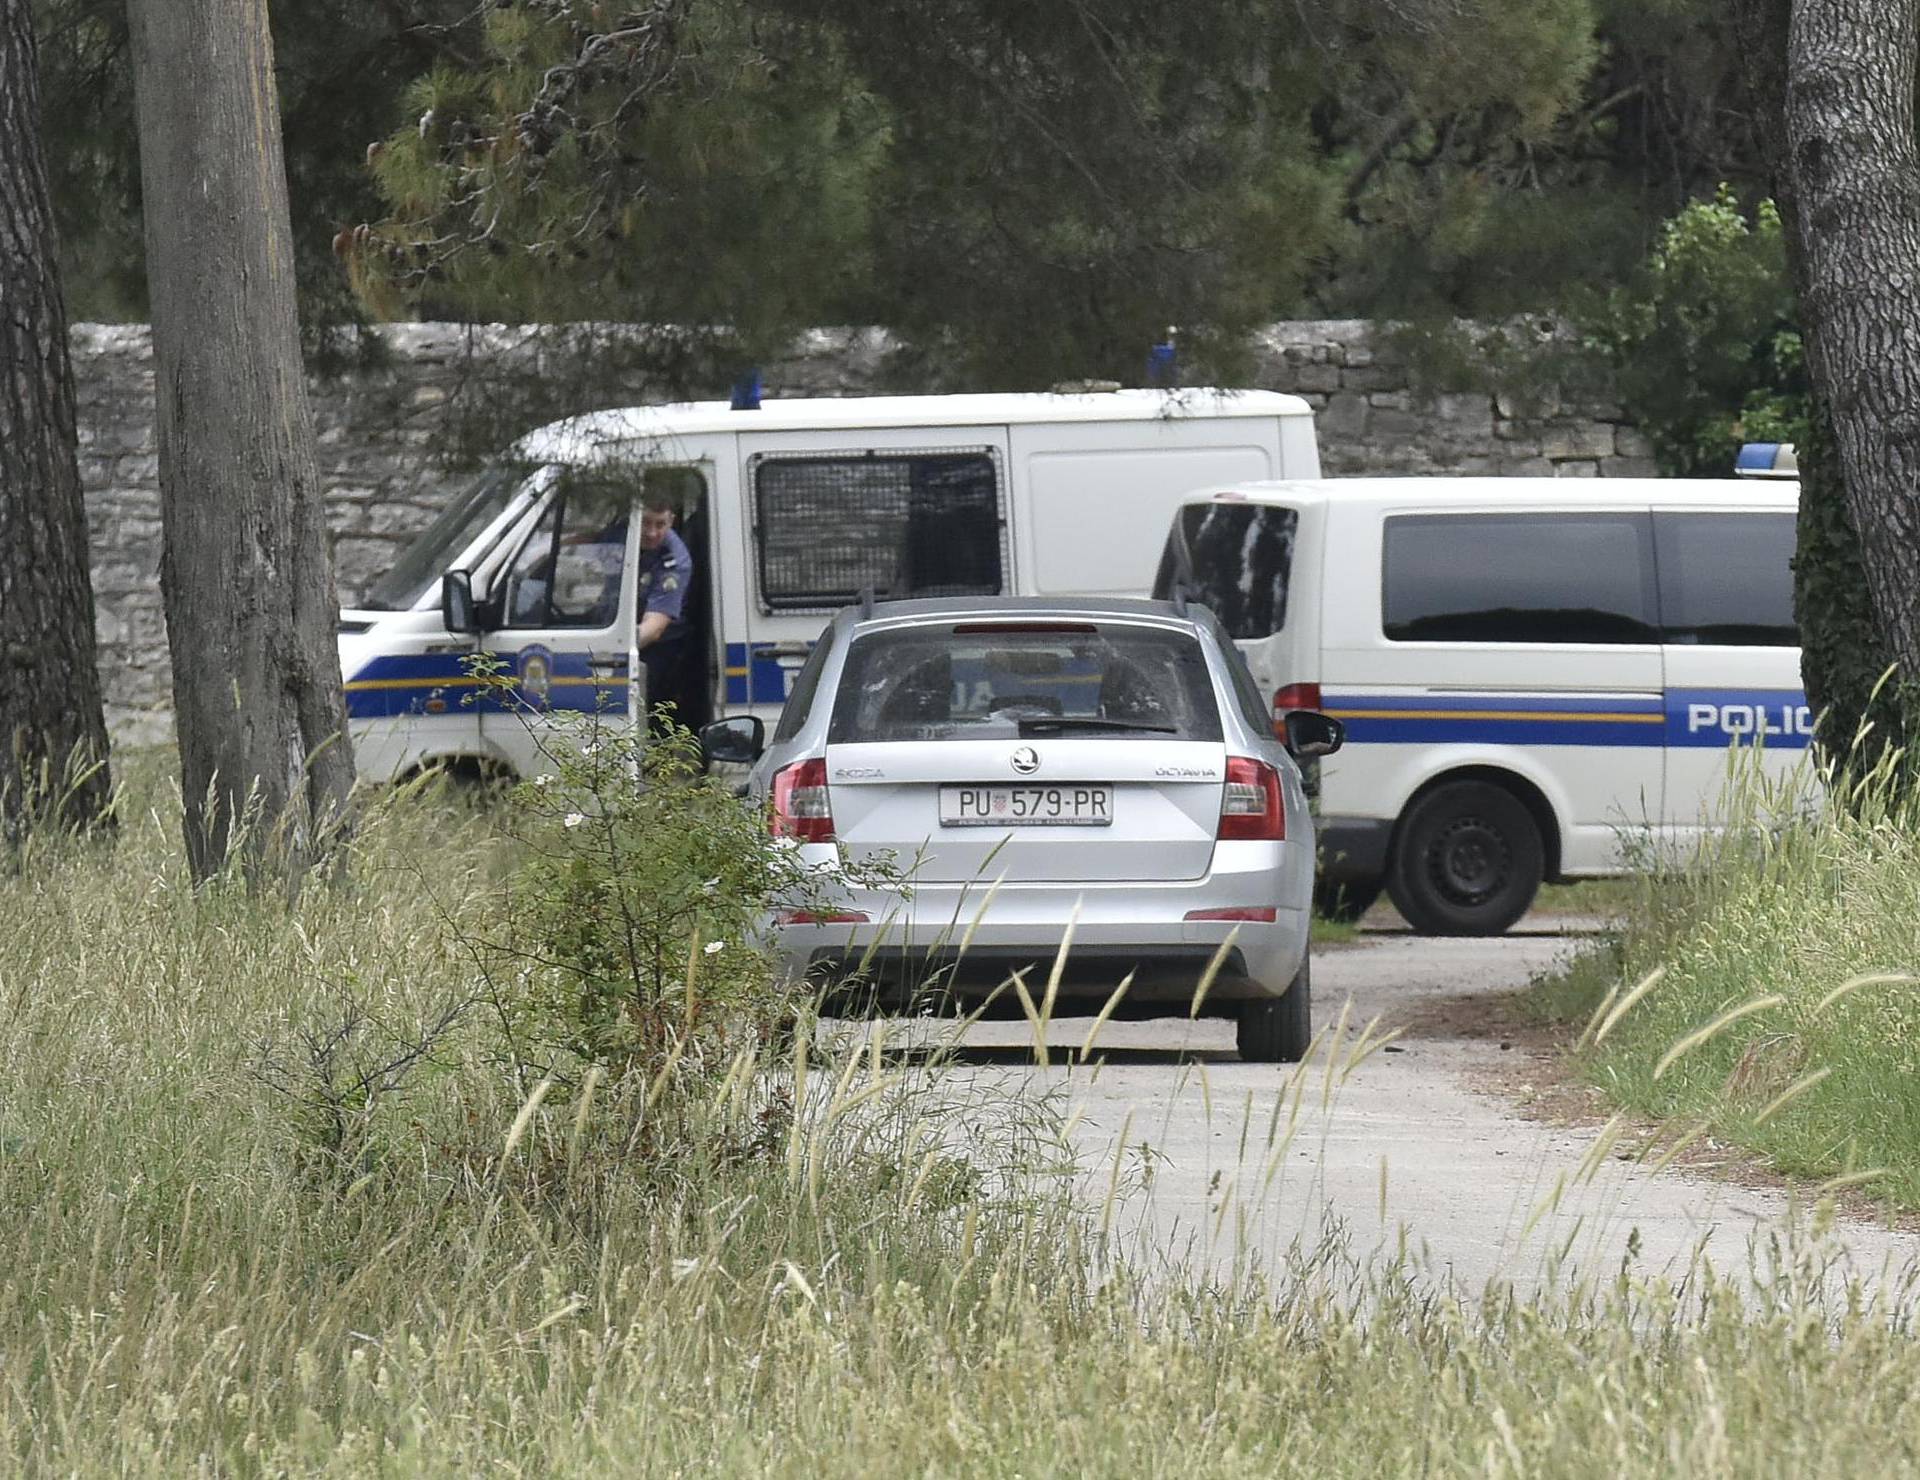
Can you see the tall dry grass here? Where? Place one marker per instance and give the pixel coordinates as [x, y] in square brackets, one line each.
[1765, 987]
[895, 1279]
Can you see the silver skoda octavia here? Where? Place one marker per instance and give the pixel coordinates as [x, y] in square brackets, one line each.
[1034, 763]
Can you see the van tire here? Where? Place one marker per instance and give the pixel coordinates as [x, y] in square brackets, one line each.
[1467, 860]
[1278, 1030]
[1345, 900]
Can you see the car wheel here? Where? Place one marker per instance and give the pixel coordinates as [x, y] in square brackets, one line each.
[1277, 1030]
[1467, 861]
[1345, 901]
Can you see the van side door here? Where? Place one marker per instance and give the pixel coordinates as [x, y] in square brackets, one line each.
[564, 607]
[1732, 655]
[898, 511]
[1512, 640]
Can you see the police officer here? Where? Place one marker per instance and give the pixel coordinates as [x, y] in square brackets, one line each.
[666, 571]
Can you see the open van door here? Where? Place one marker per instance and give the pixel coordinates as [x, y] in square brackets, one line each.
[564, 608]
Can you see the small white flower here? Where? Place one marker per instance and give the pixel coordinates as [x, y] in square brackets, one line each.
[574, 819]
[545, 778]
[714, 947]
[711, 885]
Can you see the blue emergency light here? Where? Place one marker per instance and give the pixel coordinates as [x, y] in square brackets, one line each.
[746, 392]
[1766, 460]
[1163, 360]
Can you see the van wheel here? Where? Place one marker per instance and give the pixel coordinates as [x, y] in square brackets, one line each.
[1467, 861]
[1278, 1030]
[1345, 901]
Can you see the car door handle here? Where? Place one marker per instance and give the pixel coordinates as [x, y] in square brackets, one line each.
[778, 650]
[606, 665]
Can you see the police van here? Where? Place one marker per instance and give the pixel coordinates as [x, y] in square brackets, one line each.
[1539, 678]
[790, 509]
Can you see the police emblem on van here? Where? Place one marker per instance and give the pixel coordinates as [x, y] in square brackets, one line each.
[536, 674]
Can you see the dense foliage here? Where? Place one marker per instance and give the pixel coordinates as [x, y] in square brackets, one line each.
[1029, 190]
[1701, 339]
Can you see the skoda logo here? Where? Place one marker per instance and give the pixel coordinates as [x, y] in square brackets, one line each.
[1026, 760]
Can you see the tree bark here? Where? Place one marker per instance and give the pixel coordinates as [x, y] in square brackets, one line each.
[1845, 644]
[51, 719]
[1850, 143]
[245, 570]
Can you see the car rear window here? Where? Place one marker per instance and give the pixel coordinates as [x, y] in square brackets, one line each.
[979, 681]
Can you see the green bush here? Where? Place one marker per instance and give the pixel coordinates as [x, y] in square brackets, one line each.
[1702, 341]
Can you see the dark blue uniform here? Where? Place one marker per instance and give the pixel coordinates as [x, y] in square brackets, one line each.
[665, 573]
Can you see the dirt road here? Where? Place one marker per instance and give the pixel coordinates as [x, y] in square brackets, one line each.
[1406, 1148]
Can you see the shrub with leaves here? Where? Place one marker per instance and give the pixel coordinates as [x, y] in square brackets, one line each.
[1703, 342]
[633, 934]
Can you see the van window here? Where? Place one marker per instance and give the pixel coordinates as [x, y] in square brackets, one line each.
[898, 524]
[1237, 560]
[569, 572]
[1536, 578]
[1726, 578]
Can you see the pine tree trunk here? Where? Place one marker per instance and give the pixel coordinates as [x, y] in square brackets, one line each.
[50, 710]
[245, 569]
[1848, 144]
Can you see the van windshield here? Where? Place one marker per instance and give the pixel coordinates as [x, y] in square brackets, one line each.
[1235, 559]
[424, 561]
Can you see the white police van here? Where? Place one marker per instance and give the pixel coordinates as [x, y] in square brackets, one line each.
[1538, 677]
[790, 509]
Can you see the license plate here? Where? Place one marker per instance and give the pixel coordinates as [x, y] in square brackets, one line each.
[1026, 806]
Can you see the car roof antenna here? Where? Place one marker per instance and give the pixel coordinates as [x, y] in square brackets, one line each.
[866, 603]
[1178, 596]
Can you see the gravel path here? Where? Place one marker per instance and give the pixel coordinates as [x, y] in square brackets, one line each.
[1216, 1162]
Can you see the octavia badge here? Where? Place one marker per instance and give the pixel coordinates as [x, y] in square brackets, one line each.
[1026, 761]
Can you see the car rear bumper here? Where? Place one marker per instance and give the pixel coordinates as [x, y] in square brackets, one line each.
[974, 935]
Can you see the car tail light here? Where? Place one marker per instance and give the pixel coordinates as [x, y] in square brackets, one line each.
[1289, 697]
[819, 917]
[1251, 807]
[801, 808]
[1264, 914]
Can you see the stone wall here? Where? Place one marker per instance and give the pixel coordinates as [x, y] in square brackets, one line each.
[377, 426]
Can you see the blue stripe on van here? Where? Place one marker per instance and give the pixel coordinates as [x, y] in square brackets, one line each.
[1714, 718]
[1705, 718]
[441, 683]
[753, 676]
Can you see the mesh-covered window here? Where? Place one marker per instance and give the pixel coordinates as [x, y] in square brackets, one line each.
[898, 523]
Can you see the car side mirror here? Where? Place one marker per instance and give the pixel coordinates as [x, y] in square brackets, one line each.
[457, 609]
[737, 740]
[1311, 733]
